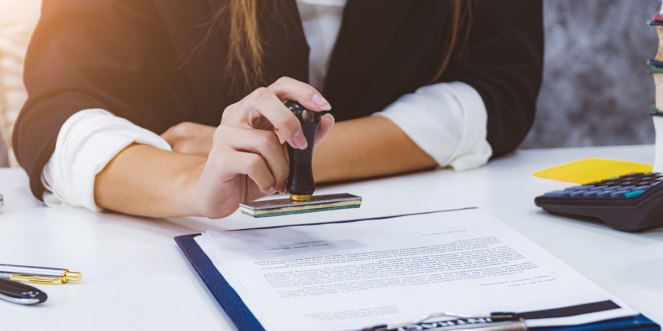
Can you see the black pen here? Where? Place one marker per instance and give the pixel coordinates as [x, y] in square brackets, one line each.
[19, 293]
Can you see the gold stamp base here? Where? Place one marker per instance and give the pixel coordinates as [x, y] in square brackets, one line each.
[303, 197]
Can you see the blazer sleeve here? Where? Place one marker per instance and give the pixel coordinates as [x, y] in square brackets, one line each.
[83, 54]
[503, 61]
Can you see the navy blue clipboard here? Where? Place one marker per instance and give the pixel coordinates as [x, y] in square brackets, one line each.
[229, 300]
[233, 305]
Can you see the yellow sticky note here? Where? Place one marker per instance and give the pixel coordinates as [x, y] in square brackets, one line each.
[592, 170]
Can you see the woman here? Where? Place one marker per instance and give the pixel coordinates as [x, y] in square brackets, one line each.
[451, 82]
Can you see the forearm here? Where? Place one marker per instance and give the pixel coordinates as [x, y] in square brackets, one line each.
[367, 147]
[246, 160]
[143, 180]
[146, 181]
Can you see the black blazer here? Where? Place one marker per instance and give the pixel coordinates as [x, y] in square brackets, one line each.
[135, 59]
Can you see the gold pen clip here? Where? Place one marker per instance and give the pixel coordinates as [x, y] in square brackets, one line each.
[48, 280]
[35, 279]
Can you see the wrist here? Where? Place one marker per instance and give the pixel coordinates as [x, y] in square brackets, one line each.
[189, 197]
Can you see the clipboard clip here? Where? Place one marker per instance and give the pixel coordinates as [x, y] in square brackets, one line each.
[492, 322]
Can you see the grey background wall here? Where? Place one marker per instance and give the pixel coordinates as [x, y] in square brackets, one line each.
[596, 89]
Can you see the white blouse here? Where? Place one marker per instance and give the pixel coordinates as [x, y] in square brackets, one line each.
[446, 120]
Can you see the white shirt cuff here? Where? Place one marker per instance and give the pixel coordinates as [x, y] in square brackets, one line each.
[448, 121]
[87, 141]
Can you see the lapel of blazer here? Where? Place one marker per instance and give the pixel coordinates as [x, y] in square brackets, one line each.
[185, 26]
[284, 42]
[367, 28]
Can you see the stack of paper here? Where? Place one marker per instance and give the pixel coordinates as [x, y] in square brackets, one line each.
[344, 276]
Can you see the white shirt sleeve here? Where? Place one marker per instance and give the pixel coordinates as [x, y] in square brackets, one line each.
[87, 141]
[448, 121]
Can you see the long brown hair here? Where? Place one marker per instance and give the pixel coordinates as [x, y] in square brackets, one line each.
[245, 53]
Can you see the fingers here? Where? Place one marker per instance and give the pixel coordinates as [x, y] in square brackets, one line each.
[254, 166]
[262, 104]
[326, 123]
[264, 109]
[247, 159]
[259, 155]
[290, 89]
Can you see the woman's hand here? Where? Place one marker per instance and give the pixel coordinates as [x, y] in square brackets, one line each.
[246, 159]
[190, 138]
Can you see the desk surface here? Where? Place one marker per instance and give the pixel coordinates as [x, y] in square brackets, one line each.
[136, 278]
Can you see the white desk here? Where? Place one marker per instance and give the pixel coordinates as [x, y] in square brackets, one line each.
[136, 278]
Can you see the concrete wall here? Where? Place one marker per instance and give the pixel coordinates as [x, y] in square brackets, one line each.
[596, 89]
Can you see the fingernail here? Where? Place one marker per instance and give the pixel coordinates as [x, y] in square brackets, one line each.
[270, 191]
[321, 102]
[282, 189]
[330, 116]
[300, 140]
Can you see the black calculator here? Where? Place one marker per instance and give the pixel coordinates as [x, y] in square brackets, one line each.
[632, 202]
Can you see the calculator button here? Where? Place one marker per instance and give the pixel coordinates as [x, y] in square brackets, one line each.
[577, 194]
[618, 194]
[630, 187]
[633, 194]
[589, 194]
[599, 188]
[556, 194]
[578, 187]
[643, 187]
[604, 194]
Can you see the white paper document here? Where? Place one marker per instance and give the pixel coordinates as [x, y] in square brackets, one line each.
[347, 276]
